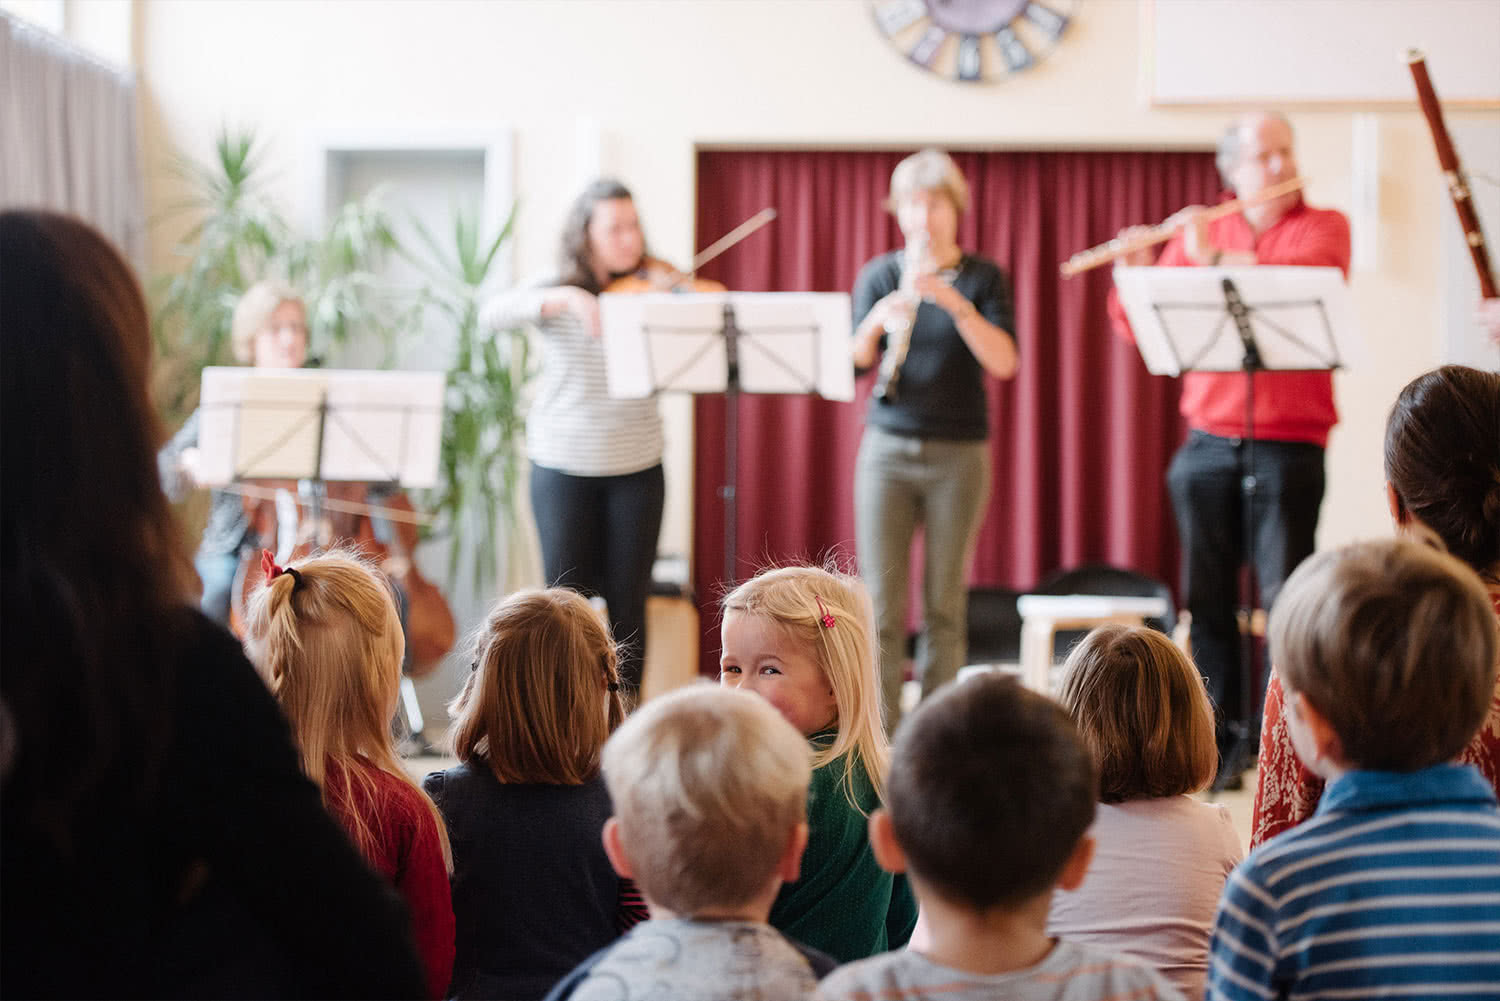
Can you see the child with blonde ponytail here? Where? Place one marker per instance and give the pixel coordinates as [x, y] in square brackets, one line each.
[326, 636]
[800, 637]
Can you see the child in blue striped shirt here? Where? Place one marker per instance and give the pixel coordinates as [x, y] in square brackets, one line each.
[1387, 654]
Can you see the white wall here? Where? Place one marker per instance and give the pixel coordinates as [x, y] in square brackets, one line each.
[632, 87]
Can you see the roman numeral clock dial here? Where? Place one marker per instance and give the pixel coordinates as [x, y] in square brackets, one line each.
[974, 40]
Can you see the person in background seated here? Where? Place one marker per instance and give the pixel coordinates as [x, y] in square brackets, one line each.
[269, 330]
[988, 805]
[1141, 708]
[710, 795]
[1387, 655]
[532, 889]
[326, 637]
[1294, 412]
[157, 837]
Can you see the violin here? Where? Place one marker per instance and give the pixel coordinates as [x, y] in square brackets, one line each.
[658, 276]
[281, 519]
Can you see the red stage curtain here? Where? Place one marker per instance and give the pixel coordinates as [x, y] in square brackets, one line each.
[1083, 434]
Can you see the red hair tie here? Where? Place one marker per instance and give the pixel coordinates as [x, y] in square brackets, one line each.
[272, 571]
[827, 619]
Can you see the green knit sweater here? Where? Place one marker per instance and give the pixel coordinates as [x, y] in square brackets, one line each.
[844, 904]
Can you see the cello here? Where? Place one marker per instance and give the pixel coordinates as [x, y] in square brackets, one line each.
[293, 522]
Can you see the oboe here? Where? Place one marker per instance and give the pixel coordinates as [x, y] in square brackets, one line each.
[916, 262]
[1458, 185]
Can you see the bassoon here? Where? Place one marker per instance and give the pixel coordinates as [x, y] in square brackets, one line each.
[1458, 184]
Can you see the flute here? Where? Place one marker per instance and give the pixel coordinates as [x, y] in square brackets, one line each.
[1458, 185]
[1087, 260]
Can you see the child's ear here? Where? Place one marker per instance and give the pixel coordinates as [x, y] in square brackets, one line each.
[615, 851]
[1399, 514]
[883, 843]
[1077, 866]
[789, 869]
[1325, 739]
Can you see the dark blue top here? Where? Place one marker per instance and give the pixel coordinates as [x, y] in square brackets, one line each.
[533, 893]
[942, 392]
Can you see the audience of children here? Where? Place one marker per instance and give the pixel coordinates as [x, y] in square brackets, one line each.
[801, 638]
[157, 838]
[1442, 470]
[1141, 707]
[171, 844]
[326, 637]
[988, 803]
[710, 795]
[533, 891]
[1387, 657]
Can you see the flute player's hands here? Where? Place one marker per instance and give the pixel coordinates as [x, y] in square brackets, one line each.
[1144, 257]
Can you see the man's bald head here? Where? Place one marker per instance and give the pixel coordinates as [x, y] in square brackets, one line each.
[1237, 136]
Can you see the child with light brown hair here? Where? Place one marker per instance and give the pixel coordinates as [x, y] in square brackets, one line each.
[533, 891]
[1161, 857]
[326, 636]
[803, 638]
[710, 795]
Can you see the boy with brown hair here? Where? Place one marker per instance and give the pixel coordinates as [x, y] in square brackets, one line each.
[1387, 655]
[989, 800]
[709, 787]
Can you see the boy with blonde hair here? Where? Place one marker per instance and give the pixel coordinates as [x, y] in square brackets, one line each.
[709, 787]
[1387, 656]
[988, 803]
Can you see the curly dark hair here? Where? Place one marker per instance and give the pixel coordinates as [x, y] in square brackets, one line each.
[576, 259]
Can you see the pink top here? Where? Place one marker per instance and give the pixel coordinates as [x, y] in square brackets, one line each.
[1153, 887]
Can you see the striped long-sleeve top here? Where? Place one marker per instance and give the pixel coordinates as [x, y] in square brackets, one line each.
[1392, 889]
[574, 425]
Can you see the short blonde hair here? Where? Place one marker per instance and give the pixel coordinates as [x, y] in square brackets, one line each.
[797, 598]
[929, 170]
[708, 784]
[327, 639]
[533, 708]
[1142, 709]
[1395, 644]
[253, 312]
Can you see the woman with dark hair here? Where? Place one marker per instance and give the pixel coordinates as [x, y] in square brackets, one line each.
[597, 488]
[158, 836]
[1442, 471]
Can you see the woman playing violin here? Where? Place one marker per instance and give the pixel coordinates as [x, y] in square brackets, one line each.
[269, 330]
[597, 487]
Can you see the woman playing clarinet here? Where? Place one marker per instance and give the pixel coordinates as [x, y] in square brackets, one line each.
[938, 319]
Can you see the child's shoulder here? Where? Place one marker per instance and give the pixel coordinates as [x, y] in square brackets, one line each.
[1071, 972]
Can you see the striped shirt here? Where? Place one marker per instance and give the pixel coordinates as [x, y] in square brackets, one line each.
[1070, 972]
[1392, 889]
[573, 425]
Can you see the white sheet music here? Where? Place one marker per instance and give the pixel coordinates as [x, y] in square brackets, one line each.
[790, 342]
[1302, 318]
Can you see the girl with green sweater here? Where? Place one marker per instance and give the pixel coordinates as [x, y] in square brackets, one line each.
[800, 638]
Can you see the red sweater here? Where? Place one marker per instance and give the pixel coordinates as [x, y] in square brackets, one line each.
[409, 853]
[1286, 793]
[1289, 406]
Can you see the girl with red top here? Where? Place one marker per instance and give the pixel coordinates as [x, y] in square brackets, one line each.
[326, 636]
[1442, 470]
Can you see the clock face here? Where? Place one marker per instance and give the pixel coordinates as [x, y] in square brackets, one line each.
[974, 40]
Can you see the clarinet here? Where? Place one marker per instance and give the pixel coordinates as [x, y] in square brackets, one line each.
[1458, 185]
[916, 262]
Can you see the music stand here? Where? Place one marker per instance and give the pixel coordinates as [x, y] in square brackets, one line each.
[728, 342]
[1248, 320]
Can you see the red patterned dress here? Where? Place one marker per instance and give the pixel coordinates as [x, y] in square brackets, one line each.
[1286, 793]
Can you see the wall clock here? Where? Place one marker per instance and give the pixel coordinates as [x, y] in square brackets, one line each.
[974, 40]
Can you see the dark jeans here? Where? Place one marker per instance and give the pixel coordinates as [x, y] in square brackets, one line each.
[599, 537]
[1204, 479]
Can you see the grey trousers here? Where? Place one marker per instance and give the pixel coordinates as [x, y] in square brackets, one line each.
[944, 486]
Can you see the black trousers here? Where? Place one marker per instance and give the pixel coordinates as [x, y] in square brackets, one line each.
[599, 536]
[1204, 480]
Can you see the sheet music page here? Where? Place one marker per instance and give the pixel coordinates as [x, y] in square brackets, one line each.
[384, 426]
[258, 424]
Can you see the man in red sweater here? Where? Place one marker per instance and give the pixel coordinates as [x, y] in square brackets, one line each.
[1293, 414]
